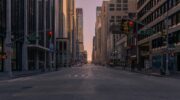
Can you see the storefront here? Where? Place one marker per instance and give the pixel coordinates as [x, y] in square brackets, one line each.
[159, 62]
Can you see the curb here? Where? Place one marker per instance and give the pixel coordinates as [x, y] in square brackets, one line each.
[140, 72]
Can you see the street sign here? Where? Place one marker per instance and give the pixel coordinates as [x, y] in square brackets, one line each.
[146, 32]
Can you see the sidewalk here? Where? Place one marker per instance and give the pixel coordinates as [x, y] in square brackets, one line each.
[5, 75]
[150, 73]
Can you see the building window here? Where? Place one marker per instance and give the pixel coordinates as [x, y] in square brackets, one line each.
[125, 1]
[112, 21]
[111, 5]
[111, 9]
[178, 17]
[112, 17]
[118, 7]
[118, 1]
[125, 9]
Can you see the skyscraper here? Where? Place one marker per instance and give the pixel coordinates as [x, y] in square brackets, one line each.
[26, 24]
[80, 43]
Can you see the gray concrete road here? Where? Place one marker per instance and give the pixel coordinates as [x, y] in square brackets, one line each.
[90, 82]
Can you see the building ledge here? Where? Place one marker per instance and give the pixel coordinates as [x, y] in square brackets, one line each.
[38, 46]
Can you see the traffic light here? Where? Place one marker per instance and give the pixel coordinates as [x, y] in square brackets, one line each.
[131, 26]
[50, 34]
[125, 26]
[3, 56]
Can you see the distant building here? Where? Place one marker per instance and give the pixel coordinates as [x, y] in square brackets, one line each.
[65, 29]
[104, 32]
[112, 12]
[94, 50]
[79, 41]
[98, 35]
[118, 10]
[85, 55]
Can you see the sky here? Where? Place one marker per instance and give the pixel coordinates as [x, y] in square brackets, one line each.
[89, 10]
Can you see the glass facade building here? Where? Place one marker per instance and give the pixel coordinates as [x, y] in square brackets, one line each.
[17, 28]
[31, 20]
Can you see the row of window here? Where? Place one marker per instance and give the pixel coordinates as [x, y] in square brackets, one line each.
[159, 12]
[159, 27]
[173, 38]
[116, 18]
[17, 18]
[158, 42]
[140, 3]
[118, 7]
[148, 7]
[31, 8]
[120, 1]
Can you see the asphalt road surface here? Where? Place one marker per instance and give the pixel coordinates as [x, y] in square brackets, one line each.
[90, 82]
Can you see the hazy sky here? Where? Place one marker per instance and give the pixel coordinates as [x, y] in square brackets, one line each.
[89, 10]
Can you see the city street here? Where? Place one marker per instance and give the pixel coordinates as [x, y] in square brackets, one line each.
[90, 82]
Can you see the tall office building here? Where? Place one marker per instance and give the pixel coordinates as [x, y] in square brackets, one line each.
[104, 31]
[118, 10]
[65, 29]
[112, 12]
[39, 24]
[25, 25]
[160, 48]
[98, 37]
[80, 43]
[61, 33]
[71, 8]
